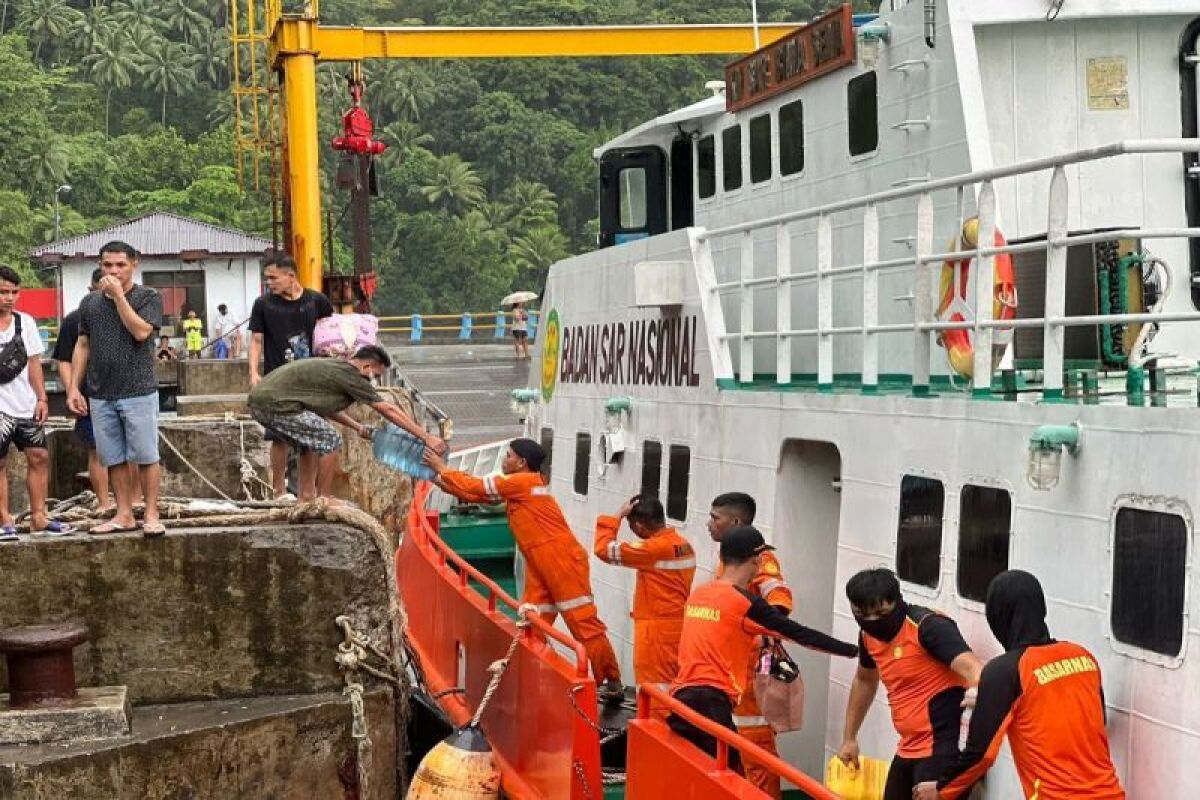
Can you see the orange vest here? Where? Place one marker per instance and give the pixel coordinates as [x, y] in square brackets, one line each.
[913, 678]
[717, 640]
[533, 514]
[768, 582]
[665, 565]
[1057, 733]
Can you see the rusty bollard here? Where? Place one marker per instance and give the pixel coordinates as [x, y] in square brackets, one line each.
[41, 670]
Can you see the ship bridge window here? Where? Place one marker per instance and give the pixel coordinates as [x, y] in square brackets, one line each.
[862, 113]
[632, 190]
[984, 530]
[791, 138]
[731, 157]
[706, 166]
[919, 531]
[651, 467]
[583, 462]
[1149, 578]
[547, 445]
[760, 149]
[679, 472]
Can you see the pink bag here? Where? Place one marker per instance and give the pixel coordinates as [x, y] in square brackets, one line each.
[340, 335]
[780, 690]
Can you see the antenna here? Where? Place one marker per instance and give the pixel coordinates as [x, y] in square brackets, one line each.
[754, 18]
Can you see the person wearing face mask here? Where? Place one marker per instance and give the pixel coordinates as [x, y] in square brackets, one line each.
[728, 511]
[1046, 696]
[926, 668]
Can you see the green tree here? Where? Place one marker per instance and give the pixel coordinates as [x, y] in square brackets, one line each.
[52, 164]
[402, 138]
[46, 21]
[112, 65]
[25, 93]
[168, 69]
[454, 186]
[94, 26]
[17, 226]
[534, 252]
[187, 18]
[532, 204]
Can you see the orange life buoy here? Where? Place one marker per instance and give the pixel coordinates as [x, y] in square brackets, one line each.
[953, 305]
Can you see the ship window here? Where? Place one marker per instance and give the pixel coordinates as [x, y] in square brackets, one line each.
[632, 183]
[791, 138]
[548, 446]
[651, 467]
[1149, 577]
[677, 481]
[862, 111]
[706, 166]
[760, 148]
[984, 528]
[731, 157]
[583, 461]
[919, 532]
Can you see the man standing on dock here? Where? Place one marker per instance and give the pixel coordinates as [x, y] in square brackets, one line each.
[281, 330]
[926, 667]
[665, 564]
[731, 510]
[556, 576]
[1046, 696]
[722, 624]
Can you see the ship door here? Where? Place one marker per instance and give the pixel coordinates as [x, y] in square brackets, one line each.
[682, 200]
[808, 505]
[633, 194]
[1189, 67]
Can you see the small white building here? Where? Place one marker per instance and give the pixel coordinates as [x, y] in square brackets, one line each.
[194, 265]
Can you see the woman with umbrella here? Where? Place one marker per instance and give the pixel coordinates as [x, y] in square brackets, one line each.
[520, 326]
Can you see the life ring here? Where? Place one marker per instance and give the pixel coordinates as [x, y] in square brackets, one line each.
[954, 307]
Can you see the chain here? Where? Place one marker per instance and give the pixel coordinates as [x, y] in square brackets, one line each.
[587, 789]
[606, 734]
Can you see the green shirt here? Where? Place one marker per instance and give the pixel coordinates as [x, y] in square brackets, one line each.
[324, 386]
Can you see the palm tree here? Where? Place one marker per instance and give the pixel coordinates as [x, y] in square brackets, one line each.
[112, 67]
[52, 164]
[46, 20]
[402, 138]
[213, 51]
[454, 185]
[534, 252]
[403, 89]
[183, 17]
[168, 68]
[533, 205]
[94, 26]
[140, 20]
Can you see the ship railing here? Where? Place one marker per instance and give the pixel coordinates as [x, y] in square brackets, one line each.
[924, 327]
[481, 460]
[545, 743]
[694, 773]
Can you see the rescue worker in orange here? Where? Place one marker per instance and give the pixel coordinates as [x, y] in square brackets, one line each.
[556, 576]
[665, 564]
[729, 511]
[721, 626]
[926, 668]
[1046, 695]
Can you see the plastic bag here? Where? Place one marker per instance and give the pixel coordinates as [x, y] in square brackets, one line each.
[779, 688]
[340, 335]
[864, 783]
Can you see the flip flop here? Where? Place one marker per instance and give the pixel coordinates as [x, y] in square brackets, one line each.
[55, 528]
[8, 533]
[152, 530]
[112, 527]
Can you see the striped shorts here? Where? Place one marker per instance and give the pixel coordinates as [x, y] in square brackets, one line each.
[305, 431]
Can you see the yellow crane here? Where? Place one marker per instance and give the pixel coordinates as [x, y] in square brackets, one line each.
[291, 45]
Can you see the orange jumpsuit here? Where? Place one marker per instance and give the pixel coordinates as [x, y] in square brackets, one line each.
[665, 564]
[556, 574]
[770, 586]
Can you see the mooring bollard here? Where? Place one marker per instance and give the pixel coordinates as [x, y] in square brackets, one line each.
[41, 669]
[464, 332]
[415, 334]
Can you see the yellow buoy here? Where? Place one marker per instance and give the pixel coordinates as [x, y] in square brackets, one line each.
[459, 767]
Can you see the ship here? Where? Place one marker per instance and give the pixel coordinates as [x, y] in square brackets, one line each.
[924, 283]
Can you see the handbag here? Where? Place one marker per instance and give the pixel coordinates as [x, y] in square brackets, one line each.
[779, 688]
[13, 356]
[341, 335]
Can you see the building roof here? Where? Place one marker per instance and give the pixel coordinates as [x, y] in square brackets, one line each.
[157, 233]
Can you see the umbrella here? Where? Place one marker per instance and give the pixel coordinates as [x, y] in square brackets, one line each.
[518, 297]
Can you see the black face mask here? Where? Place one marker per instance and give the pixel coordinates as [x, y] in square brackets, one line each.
[884, 628]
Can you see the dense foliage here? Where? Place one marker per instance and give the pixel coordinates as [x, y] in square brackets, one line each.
[488, 178]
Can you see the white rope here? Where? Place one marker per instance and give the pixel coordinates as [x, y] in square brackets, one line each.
[192, 467]
[497, 669]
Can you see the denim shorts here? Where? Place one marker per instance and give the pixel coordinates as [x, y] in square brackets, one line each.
[126, 430]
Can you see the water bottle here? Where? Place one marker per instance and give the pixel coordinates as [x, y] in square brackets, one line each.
[401, 451]
[964, 723]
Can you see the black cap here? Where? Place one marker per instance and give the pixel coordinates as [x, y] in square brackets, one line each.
[742, 542]
[529, 450]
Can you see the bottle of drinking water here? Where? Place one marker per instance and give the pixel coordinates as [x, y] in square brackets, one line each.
[964, 723]
[401, 451]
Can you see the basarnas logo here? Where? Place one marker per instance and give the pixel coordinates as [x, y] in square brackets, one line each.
[550, 348]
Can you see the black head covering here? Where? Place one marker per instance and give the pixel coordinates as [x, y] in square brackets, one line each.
[529, 450]
[1016, 609]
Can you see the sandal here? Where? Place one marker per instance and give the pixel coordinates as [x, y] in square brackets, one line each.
[152, 530]
[55, 528]
[8, 533]
[112, 527]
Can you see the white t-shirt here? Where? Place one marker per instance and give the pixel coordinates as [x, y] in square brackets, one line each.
[17, 398]
[224, 324]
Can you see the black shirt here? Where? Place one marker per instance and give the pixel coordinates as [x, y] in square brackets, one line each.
[119, 366]
[68, 334]
[287, 325]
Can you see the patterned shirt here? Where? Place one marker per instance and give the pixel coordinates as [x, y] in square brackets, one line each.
[119, 366]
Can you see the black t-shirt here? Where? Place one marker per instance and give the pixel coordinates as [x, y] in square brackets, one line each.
[119, 366]
[68, 334]
[287, 325]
